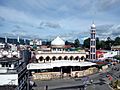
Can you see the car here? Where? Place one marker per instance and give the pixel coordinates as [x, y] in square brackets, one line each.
[32, 84]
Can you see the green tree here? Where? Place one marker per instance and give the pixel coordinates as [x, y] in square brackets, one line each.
[69, 43]
[102, 44]
[109, 42]
[97, 43]
[86, 43]
[76, 43]
[117, 41]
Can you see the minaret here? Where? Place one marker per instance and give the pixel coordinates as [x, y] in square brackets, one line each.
[5, 39]
[18, 39]
[24, 41]
[93, 42]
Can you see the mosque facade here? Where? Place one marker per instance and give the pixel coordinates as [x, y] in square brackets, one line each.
[58, 51]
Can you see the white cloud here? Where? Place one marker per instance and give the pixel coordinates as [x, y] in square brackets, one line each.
[64, 16]
[14, 15]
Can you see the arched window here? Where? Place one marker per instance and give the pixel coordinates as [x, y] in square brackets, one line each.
[41, 58]
[60, 58]
[4, 56]
[14, 56]
[53, 58]
[77, 58]
[71, 57]
[47, 58]
[65, 58]
[82, 58]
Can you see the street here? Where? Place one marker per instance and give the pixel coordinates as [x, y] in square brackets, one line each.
[93, 82]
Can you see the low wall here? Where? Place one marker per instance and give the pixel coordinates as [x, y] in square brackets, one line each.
[55, 75]
[84, 72]
[46, 75]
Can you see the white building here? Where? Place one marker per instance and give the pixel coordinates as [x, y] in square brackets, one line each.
[57, 52]
[36, 42]
[93, 42]
[2, 45]
[13, 70]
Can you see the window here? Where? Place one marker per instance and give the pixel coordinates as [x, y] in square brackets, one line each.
[6, 64]
[92, 42]
[9, 65]
[91, 56]
[3, 65]
[94, 56]
[93, 49]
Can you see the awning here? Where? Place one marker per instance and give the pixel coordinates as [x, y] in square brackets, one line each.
[58, 63]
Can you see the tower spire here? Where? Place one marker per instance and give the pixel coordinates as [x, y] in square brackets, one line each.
[5, 39]
[93, 42]
[18, 39]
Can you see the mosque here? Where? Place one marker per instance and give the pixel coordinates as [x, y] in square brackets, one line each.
[58, 51]
[56, 61]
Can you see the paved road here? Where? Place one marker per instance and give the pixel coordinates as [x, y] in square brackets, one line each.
[100, 81]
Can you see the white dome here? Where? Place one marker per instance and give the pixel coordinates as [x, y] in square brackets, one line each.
[93, 25]
[58, 41]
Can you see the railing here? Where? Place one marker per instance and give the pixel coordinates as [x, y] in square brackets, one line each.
[11, 71]
[62, 52]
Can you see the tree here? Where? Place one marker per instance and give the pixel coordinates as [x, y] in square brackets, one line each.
[86, 43]
[102, 44]
[97, 43]
[117, 41]
[76, 43]
[69, 43]
[109, 42]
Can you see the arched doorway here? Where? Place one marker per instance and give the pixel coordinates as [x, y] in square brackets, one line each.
[71, 57]
[65, 58]
[60, 58]
[82, 58]
[41, 58]
[77, 58]
[53, 58]
[47, 58]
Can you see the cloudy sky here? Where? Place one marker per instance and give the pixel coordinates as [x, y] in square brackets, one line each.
[70, 19]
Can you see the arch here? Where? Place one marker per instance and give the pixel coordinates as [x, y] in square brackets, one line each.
[47, 58]
[66, 58]
[41, 58]
[53, 58]
[82, 58]
[71, 57]
[60, 58]
[4, 56]
[14, 56]
[77, 58]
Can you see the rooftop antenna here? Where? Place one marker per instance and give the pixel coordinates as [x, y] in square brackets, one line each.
[93, 11]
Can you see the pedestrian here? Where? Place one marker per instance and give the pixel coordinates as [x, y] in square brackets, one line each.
[46, 87]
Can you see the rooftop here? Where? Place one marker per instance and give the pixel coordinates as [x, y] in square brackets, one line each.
[113, 47]
[8, 87]
[57, 41]
[58, 63]
[12, 59]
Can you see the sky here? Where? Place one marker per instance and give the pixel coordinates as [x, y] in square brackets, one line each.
[69, 19]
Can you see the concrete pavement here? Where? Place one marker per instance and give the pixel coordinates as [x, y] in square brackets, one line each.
[100, 81]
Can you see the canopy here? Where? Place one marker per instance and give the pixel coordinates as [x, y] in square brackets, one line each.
[58, 63]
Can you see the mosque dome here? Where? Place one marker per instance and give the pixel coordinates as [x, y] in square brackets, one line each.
[93, 26]
[58, 42]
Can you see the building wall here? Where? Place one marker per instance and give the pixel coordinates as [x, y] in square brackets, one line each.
[56, 56]
[9, 79]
